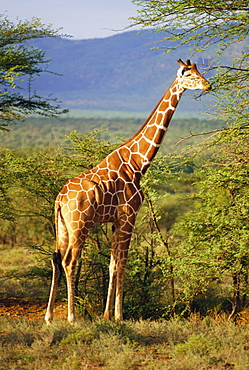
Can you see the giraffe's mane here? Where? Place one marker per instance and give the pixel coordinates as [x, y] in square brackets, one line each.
[145, 122]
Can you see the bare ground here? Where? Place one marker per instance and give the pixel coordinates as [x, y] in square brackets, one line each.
[31, 310]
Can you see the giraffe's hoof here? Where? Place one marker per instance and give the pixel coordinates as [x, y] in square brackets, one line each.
[107, 316]
[48, 319]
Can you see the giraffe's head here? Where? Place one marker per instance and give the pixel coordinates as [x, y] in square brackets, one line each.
[189, 77]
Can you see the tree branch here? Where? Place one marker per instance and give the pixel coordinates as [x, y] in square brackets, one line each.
[200, 134]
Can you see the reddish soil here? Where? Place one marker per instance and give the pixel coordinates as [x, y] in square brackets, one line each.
[35, 310]
[243, 317]
[22, 308]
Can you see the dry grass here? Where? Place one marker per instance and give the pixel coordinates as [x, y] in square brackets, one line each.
[17, 264]
[194, 344]
[211, 343]
[14, 259]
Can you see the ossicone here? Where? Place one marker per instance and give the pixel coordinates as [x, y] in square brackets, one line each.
[182, 64]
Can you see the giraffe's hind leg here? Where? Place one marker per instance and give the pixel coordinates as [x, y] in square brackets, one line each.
[69, 261]
[57, 270]
[62, 243]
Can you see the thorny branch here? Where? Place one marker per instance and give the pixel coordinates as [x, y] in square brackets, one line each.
[200, 134]
[213, 132]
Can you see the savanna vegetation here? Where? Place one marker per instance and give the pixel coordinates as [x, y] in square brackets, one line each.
[163, 345]
[187, 278]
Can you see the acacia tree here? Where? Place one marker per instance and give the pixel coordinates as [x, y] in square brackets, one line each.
[20, 62]
[208, 25]
[212, 240]
[214, 235]
[199, 24]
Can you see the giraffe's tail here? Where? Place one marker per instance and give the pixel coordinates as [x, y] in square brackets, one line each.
[57, 263]
[57, 257]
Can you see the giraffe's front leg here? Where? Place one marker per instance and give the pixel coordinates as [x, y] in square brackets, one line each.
[118, 312]
[120, 244]
[116, 286]
[122, 247]
[111, 290]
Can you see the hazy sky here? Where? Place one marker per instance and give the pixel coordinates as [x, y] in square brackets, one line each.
[81, 19]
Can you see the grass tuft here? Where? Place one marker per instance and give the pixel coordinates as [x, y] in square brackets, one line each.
[192, 344]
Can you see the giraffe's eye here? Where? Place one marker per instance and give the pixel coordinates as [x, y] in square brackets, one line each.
[186, 72]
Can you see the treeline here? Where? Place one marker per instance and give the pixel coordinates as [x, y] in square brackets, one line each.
[189, 250]
[38, 132]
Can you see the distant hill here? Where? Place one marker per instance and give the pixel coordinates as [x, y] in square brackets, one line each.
[119, 73]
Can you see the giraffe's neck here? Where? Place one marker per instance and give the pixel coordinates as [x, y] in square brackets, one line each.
[143, 146]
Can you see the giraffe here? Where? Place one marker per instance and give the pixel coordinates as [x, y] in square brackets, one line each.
[111, 192]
